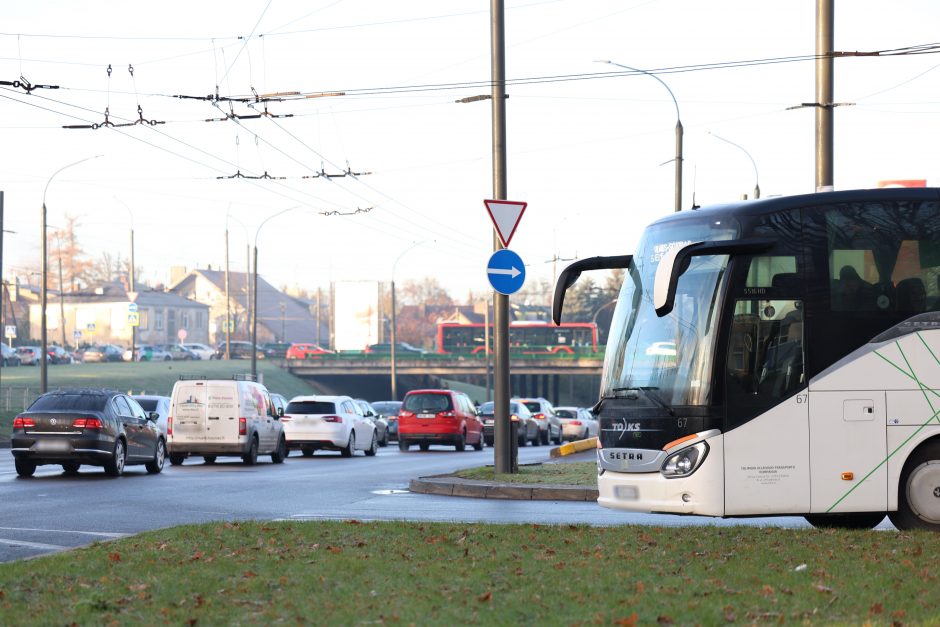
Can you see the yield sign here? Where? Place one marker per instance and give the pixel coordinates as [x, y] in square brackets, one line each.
[505, 215]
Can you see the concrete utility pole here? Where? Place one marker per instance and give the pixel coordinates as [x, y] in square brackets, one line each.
[228, 305]
[504, 460]
[825, 27]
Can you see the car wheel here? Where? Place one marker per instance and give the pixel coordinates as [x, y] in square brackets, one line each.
[374, 447]
[522, 440]
[307, 452]
[350, 447]
[167, 358]
[479, 445]
[558, 437]
[537, 440]
[209, 459]
[546, 436]
[25, 467]
[115, 466]
[251, 457]
[279, 455]
[155, 465]
[917, 501]
[403, 445]
[384, 441]
[424, 447]
[71, 468]
[177, 460]
[461, 443]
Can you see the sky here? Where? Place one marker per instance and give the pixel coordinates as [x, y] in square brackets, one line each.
[589, 145]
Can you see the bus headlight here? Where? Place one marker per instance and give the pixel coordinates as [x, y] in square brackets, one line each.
[685, 462]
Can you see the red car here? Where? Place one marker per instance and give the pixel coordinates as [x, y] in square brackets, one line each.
[439, 417]
[305, 351]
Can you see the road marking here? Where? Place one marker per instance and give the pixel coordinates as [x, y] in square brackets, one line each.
[87, 533]
[387, 492]
[33, 545]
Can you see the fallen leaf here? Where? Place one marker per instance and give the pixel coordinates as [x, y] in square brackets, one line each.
[662, 619]
[249, 574]
[639, 587]
[876, 608]
[824, 589]
[196, 556]
[629, 621]
[114, 557]
[352, 521]
[334, 549]
[485, 597]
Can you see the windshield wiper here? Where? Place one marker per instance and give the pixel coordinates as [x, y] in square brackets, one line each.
[650, 394]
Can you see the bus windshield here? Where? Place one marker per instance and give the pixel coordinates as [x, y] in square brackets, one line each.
[669, 356]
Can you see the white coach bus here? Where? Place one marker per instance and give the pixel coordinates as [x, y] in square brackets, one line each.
[777, 357]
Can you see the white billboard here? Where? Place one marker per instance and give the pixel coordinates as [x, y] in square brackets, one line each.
[356, 314]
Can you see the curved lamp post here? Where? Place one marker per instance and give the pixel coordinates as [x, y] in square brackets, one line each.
[130, 277]
[678, 206]
[753, 163]
[44, 357]
[254, 305]
[394, 322]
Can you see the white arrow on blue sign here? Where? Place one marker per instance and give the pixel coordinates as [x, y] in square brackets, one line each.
[131, 307]
[505, 271]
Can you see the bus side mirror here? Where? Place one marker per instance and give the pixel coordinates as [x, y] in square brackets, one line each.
[677, 260]
[571, 274]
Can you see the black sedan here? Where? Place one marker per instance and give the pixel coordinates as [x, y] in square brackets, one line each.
[87, 426]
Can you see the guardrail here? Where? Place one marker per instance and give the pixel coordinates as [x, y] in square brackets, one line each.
[17, 398]
[479, 357]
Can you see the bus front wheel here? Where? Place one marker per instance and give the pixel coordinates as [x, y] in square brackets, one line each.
[919, 491]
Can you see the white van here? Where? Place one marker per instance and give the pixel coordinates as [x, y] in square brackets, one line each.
[213, 417]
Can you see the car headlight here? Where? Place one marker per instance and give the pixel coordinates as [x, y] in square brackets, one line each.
[685, 462]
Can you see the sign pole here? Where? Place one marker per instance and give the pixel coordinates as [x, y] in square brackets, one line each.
[504, 460]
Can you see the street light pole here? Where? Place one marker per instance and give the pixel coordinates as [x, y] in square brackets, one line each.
[753, 163]
[254, 307]
[130, 277]
[44, 289]
[678, 159]
[394, 373]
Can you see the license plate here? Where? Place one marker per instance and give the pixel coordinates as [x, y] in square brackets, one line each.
[53, 446]
[487, 422]
[426, 415]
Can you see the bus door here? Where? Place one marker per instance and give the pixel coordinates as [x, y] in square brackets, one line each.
[766, 440]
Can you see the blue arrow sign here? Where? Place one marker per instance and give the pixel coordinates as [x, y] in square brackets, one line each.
[505, 271]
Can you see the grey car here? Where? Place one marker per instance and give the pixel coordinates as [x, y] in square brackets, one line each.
[381, 425]
[527, 428]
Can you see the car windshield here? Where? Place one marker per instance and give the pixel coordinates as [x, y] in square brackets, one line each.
[428, 402]
[311, 407]
[69, 402]
[149, 404]
[670, 356]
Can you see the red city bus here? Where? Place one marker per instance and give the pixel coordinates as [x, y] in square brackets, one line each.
[526, 337]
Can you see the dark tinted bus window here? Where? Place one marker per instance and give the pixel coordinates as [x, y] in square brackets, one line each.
[310, 407]
[69, 402]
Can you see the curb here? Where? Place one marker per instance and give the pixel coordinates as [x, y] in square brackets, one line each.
[573, 447]
[446, 485]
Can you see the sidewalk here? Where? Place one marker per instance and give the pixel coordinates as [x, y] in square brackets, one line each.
[448, 485]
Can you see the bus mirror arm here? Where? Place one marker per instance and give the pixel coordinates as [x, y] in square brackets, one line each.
[677, 260]
[571, 274]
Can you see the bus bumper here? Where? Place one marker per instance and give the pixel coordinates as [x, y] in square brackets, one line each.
[701, 493]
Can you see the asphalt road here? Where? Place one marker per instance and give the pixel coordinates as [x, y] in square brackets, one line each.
[51, 512]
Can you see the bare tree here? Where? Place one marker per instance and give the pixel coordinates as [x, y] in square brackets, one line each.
[75, 263]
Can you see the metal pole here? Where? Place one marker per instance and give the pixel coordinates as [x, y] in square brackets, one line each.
[43, 373]
[503, 454]
[825, 26]
[228, 305]
[753, 163]
[247, 283]
[486, 341]
[2, 283]
[678, 164]
[394, 339]
[133, 289]
[254, 319]
[318, 316]
[61, 299]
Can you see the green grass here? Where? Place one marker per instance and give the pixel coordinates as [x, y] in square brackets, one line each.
[573, 473]
[152, 377]
[345, 573]
[6, 424]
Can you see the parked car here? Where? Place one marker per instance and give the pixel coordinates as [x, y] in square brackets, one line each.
[237, 350]
[578, 423]
[332, 423]
[58, 355]
[29, 355]
[10, 358]
[275, 350]
[549, 425]
[389, 411]
[158, 404]
[201, 350]
[102, 352]
[216, 417]
[401, 348]
[148, 352]
[86, 426]
[302, 350]
[526, 427]
[381, 425]
[438, 417]
[178, 352]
